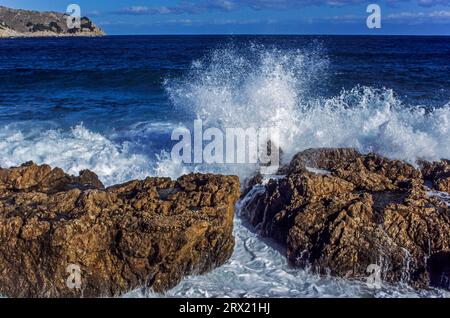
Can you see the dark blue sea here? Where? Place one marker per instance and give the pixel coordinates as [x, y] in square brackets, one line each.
[110, 105]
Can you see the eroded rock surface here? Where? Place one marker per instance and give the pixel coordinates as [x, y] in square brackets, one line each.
[143, 233]
[340, 211]
[438, 173]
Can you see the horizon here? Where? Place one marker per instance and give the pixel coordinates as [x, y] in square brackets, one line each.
[275, 35]
[257, 17]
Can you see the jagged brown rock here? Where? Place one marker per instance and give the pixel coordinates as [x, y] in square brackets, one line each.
[143, 233]
[438, 173]
[355, 211]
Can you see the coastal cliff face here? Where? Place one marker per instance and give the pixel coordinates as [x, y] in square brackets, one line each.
[26, 23]
[146, 233]
[340, 212]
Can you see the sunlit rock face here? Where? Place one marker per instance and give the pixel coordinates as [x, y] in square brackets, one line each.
[358, 211]
[65, 236]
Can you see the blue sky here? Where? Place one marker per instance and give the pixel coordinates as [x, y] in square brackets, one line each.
[422, 17]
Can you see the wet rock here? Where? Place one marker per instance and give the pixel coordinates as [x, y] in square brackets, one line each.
[30, 177]
[146, 233]
[364, 210]
[438, 173]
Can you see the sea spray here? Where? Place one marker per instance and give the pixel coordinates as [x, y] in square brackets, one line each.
[252, 86]
[259, 86]
[73, 151]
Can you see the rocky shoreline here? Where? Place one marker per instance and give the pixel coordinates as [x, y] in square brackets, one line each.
[146, 233]
[342, 213]
[335, 211]
[27, 23]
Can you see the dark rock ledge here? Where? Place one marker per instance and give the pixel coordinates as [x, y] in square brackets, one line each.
[358, 210]
[140, 234]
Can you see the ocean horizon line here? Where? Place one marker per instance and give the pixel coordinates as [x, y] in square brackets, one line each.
[283, 34]
[241, 35]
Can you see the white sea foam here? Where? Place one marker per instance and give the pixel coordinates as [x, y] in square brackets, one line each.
[375, 120]
[274, 87]
[73, 151]
[230, 89]
[268, 87]
[256, 88]
[259, 269]
[443, 196]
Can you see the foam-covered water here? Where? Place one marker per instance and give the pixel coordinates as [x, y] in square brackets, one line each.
[233, 86]
[259, 269]
[376, 120]
[443, 196]
[272, 88]
[73, 151]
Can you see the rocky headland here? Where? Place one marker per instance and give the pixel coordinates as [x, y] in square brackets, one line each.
[341, 212]
[148, 233]
[27, 23]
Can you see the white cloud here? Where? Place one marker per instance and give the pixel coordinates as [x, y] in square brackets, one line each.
[409, 14]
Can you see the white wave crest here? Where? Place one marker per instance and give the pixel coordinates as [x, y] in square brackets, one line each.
[72, 151]
[375, 120]
[258, 88]
[275, 88]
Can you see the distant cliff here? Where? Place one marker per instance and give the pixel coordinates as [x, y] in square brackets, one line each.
[26, 23]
